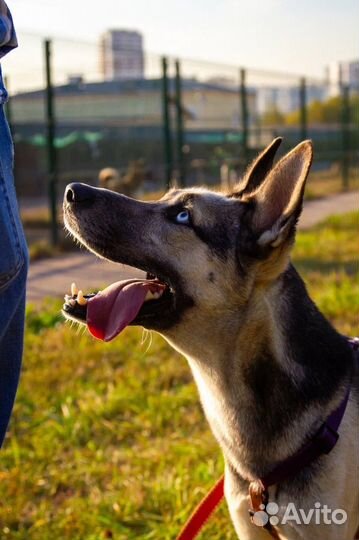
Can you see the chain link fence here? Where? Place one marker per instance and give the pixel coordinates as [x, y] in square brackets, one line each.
[168, 120]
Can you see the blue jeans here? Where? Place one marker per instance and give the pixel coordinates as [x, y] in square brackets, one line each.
[13, 272]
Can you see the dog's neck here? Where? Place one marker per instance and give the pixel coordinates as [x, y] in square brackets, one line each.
[268, 375]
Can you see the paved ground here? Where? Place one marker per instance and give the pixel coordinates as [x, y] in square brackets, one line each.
[316, 211]
[53, 277]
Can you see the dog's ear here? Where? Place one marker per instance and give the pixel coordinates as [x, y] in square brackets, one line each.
[278, 200]
[258, 170]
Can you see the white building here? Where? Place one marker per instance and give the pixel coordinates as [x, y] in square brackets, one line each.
[286, 99]
[344, 73]
[121, 55]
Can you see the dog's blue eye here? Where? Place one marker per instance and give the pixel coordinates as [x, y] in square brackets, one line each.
[183, 217]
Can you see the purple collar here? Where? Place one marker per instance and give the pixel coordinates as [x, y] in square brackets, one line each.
[322, 442]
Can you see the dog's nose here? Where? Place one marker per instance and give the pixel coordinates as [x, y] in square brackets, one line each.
[79, 193]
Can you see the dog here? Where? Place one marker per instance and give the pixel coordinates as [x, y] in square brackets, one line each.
[221, 289]
[128, 183]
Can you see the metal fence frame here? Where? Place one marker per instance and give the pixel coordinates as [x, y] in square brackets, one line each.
[174, 136]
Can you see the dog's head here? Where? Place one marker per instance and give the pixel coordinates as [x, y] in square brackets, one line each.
[205, 253]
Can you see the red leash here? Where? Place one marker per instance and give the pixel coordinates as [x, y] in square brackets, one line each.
[203, 512]
[322, 442]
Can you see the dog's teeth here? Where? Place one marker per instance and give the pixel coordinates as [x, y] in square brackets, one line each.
[80, 299]
[153, 295]
[74, 289]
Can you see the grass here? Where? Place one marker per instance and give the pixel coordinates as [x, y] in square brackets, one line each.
[327, 257]
[109, 441]
[329, 182]
[43, 249]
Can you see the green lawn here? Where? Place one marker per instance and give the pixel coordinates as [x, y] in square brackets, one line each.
[329, 182]
[109, 441]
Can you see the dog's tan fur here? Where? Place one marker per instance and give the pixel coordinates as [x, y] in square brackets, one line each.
[239, 321]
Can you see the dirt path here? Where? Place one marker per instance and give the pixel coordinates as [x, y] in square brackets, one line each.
[53, 277]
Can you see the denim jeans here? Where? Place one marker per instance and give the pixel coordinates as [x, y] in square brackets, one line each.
[13, 272]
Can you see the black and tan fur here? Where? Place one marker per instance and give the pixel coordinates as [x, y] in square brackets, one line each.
[269, 367]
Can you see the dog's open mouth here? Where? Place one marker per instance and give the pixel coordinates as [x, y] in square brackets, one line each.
[109, 311]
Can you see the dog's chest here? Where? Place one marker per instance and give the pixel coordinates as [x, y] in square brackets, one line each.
[222, 418]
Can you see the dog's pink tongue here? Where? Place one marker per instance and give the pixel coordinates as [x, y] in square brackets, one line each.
[112, 309]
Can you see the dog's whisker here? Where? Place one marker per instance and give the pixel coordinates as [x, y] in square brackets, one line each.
[143, 336]
[150, 340]
[146, 336]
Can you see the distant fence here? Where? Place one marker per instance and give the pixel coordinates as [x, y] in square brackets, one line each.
[182, 120]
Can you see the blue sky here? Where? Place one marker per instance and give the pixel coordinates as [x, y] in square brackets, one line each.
[286, 35]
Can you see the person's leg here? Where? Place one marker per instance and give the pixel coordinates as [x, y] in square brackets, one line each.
[13, 272]
[11, 346]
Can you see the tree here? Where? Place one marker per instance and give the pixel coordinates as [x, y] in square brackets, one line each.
[326, 112]
[273, 117]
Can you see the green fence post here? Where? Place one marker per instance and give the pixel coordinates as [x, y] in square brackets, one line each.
[244, 114]
[167, 143]
[345, 136]
[179, 125]
[303, 109]
[51, 149]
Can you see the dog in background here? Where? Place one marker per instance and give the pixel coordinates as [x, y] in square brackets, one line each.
[127, 184]
[222, 290]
